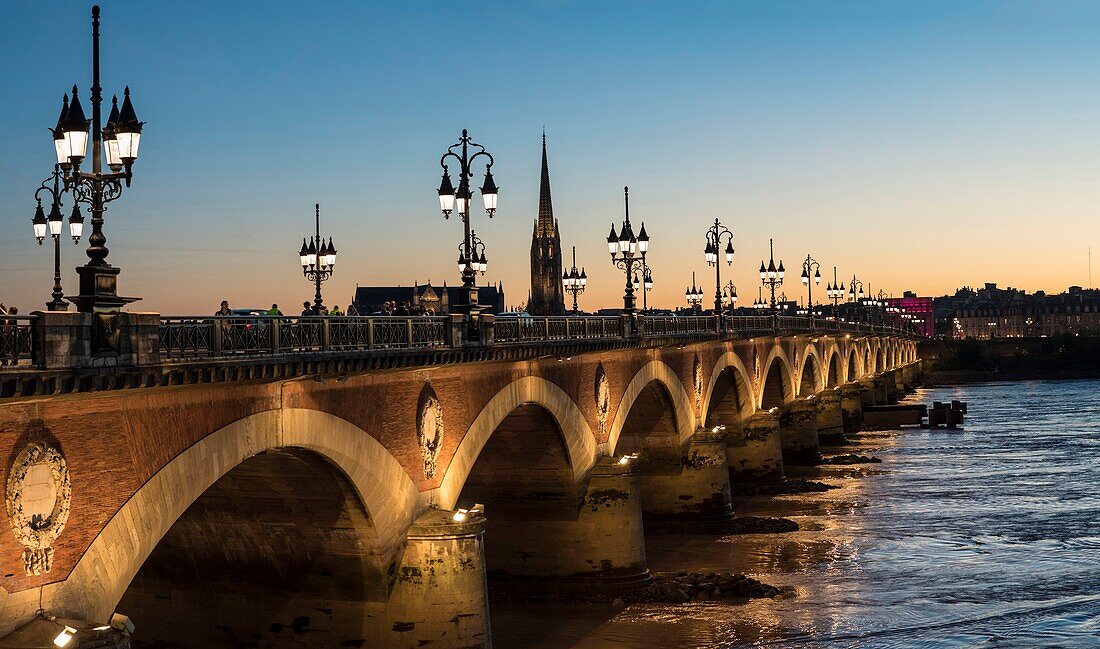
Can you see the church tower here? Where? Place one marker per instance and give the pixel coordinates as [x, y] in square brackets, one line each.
[547, 292]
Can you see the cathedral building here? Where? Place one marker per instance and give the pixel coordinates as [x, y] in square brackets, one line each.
[547, 292]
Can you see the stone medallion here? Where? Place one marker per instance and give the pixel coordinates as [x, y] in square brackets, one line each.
[603, 398]
[429, 429]
[38, 500]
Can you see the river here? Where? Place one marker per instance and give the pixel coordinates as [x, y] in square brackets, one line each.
[988, 536]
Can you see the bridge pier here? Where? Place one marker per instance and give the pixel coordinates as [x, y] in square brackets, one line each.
[798, 432]
[756, 453]
[440, 598]
[891, 389]
[830, 417]
[851, 404]
[699, 489]
[867, 392]
[878, 385]
[600, 548]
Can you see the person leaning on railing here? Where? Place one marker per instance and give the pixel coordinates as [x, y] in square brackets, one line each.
[222, 314]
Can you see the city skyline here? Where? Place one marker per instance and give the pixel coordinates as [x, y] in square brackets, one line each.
[800, 127]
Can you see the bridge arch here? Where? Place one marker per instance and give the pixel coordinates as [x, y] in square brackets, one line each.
[380, 485]
[567, 416]
[660, 372]
[855, 372]
[729, 397]
[777, 385]
[834, 375]
[810, 372]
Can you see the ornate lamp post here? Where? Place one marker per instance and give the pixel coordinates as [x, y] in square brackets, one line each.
[759, 304]
[883, 305]
[645, 285]
[52, 225]
[715, 235]
[855, 290]
[628, 252]
[318, 259]
[835, 292]
[694, 294]
[460, 199]
[729, 296]
[478, 261]
[772, 276]
[810, 265]
[575, 282]
[117, 141]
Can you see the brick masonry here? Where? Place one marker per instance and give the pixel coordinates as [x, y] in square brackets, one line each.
[119, 444]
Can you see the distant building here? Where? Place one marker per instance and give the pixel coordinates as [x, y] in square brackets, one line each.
[992, 312]
[919, 311]
[547, 292]
[369, 299]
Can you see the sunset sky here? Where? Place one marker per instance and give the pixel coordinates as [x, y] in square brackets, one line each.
[921, 146]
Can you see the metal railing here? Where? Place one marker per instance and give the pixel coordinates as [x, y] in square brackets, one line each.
[750, 324]
[198, 338]
[17, 340]
[226, 336]
[529, 329]
[678, 325]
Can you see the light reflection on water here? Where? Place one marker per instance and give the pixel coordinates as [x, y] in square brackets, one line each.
[984, 537]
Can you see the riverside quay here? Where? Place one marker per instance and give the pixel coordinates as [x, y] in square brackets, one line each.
[363, 475]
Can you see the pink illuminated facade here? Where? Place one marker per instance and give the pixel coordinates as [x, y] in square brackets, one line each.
[919, 310]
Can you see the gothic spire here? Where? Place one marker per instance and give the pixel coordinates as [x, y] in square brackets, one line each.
[545, 226]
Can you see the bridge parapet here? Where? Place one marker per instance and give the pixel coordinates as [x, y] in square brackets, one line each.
[51, 352]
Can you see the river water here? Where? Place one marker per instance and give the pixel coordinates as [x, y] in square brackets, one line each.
[988, 537]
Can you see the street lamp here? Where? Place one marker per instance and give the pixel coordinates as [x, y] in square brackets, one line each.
[630, 250]
[645, 285]
[694, 294]
[575, 282]
[52, 225]
[318, 259]
[810, 265]
[771, 276]
[855, 292]
[729, 296]
[715, 235]
[855, 289]
[759, 304]
[884, 307]
[451, 199]
[118, 142]
[835, 292]
[478, 261]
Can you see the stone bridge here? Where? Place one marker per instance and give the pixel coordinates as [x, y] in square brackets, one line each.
[361, 497]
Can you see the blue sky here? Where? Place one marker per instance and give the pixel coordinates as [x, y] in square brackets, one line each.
[920, 145]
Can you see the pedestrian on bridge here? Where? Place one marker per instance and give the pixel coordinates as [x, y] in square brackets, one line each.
[274, 310]
[307, 310]
[352, 310]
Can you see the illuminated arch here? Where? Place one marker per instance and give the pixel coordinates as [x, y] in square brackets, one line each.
[681, 402]
[106, 569]
[574, 428]
[731, 361]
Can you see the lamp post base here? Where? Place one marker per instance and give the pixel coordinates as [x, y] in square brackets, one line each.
[98, 296]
